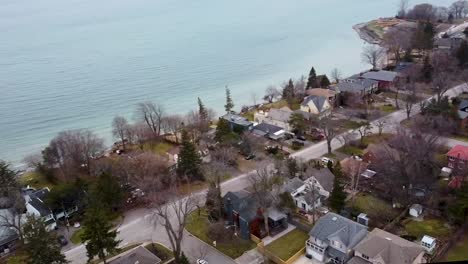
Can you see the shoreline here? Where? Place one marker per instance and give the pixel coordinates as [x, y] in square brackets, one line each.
[365, 34]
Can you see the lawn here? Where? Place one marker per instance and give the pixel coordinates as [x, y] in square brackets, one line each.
[198, 226]
[36, 180]
[351, 150]
[387, 108]
[160, 251]
[289, 244]
[159, 148]
[377, 209]
[431, 227]
[348, 124]
[76, 236]
[459, 252]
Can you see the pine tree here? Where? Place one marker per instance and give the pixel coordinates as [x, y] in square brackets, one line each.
[189, 160]
[288, 92]
[41, 247]
[462, 54]
[223, 130]
[183, 259]
[229, 103]
[97, 232]
[214, 201]
[324, 81]
[312, 81]
[202, 111]
[107, 191]
[337, 196]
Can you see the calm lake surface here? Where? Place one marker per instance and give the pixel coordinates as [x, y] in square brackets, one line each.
[78, 63]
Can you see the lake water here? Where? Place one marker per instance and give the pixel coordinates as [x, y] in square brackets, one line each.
[67, 64]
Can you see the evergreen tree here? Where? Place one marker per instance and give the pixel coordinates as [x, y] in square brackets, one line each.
[312, 81]
[324, 81]
[223, 131]
[330, 165]
[288, 92]
[459, 210]
[426, 71]
[107, 190]
[41, 247]
[183, 259]
[229, 103]
[98, 234]
[462, 54]
[297, 123]
[292, 167]
[189, 160]
[337, 196]
[7, 179]
[202, 111]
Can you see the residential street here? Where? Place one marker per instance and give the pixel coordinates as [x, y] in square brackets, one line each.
[137, 226]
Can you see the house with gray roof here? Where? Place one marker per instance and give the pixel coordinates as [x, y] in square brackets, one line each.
[356, 84]
[138, 255]
[316, 105]
[35, 205]
[269, 131]
[333, 237]
[237, 122]
[381, 247]
[277, 117]
[321, 180]
[386, 79]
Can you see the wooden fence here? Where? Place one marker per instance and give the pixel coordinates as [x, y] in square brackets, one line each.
[271, 256]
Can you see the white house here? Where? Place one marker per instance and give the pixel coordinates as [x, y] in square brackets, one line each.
[316, 105]
[35, 205]
[321, 180]
[333, 237]
[428, 243]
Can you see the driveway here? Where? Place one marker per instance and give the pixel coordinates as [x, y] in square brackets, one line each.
[140, 229]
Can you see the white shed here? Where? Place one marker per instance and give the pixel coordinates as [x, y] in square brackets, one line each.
[428, 243]
[415, 210]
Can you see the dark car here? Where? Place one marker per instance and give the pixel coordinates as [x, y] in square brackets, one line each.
[249, 157]
[62, 240]
[301, 138]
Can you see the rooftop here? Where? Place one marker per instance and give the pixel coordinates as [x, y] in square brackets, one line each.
[391, 248]
[138, 255]
[236, 119]
[318, 101]
[463, 109]
[387, 76]
[321, 92]
[459, 152]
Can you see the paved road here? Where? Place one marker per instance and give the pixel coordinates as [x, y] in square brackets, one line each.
[140, 229]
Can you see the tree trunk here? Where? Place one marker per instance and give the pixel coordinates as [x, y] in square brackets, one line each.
[329, 146]
[265, 221]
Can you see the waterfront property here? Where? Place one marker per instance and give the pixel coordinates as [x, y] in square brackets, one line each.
[316, 105]
[237, 122]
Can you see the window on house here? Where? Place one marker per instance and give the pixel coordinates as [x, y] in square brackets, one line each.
[365, 257]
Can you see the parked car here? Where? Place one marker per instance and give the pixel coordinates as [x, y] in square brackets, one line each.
[202, 261]
[301, 138]
[249, 157]
[62, 240]
[325, 161]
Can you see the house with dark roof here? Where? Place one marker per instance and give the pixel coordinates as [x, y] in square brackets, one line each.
[385, 79]
[316, 105]
[381, 247]
[303, 195]
[35, 205]
[237, 122]
[242, 211]
[321, 180]
[356, 84]
[458, 158]
[463, 115]
[269, 131]
[333, 238]
[138, 255]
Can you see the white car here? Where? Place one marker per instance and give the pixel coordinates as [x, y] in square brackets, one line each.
[202, 261]
[325, 160]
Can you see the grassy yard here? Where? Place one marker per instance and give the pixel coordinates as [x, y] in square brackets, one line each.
[377, 209]
[351, 150]
[348, 124]
[76, 236]
[431, 227]
[36, 180]
[387, 108]
[161, 251]
[198, 226]
[159, 148]
[459, 252]
[289, 244]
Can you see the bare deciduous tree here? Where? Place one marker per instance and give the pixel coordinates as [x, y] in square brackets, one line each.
[171, 211]
[152, 115]
[364, 131]
[397, 40]
[380, 124]
[402, 8]
[372, 55]
[329, 128]
[411, 99]
[120, 129]
[271, 94]
[336, 75]
[172, 124]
